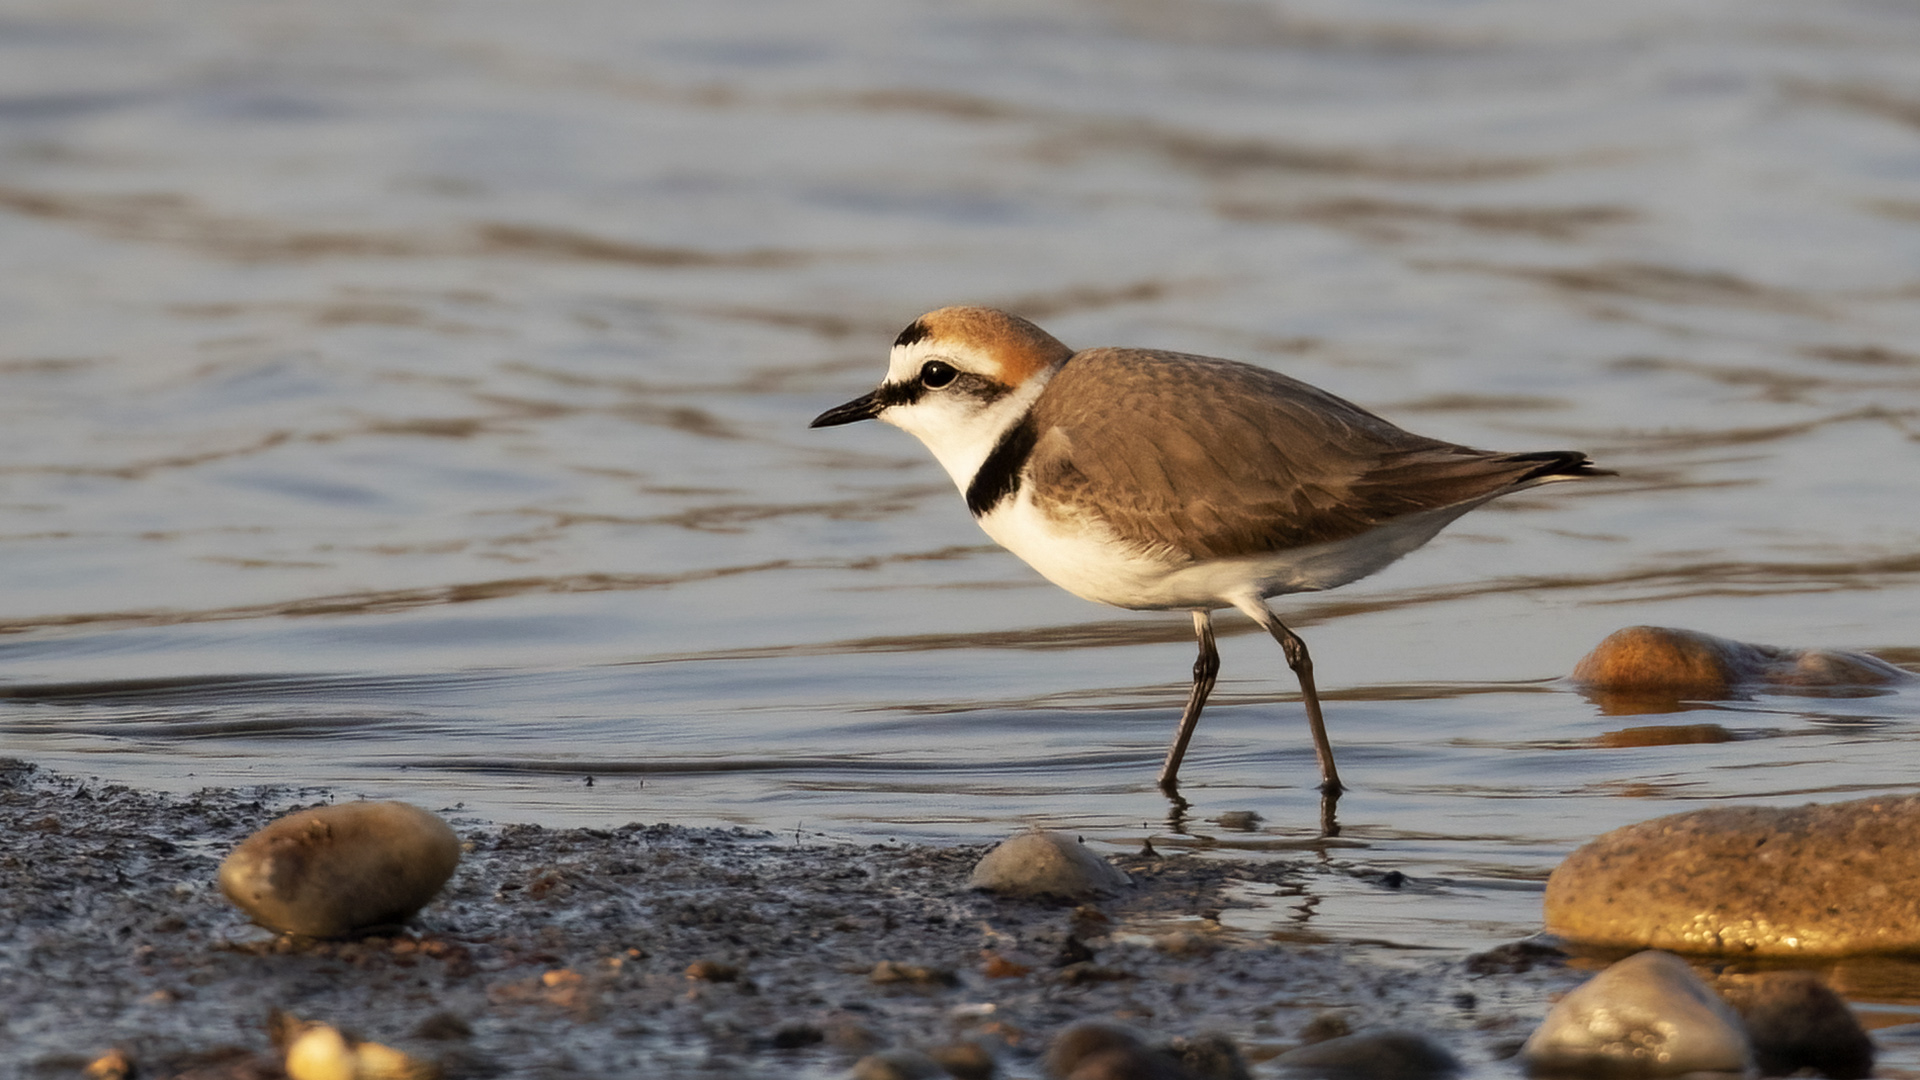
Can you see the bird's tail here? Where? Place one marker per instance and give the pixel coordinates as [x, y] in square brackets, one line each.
[1556, 465]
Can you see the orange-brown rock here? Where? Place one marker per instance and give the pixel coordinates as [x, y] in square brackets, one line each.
[1665, 658]
[1826, 880]
[337, 870]
[1664, 664]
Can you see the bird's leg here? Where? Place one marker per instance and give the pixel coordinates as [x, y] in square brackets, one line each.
[1205, 668]
[1302, 666]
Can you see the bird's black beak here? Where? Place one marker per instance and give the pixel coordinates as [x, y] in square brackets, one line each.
[865, 407]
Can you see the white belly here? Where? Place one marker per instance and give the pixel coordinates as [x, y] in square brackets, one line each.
[1085, 559]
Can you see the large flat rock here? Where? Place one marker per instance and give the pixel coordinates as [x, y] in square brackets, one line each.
[1827, 880]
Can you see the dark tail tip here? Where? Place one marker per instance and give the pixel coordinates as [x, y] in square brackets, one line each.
[1558, 463]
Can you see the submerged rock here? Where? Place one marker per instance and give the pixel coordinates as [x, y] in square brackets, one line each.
[1748, 880]
[1666, 662]
[334, 870]
[1664, 735]
[1797, 1022]
[1372, 1055]
[1037, 863]
[1648, 1015]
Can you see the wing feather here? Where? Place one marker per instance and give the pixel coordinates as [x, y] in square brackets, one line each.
[1177, 453]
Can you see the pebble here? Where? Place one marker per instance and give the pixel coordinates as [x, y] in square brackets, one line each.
[1372, 1055]
[1038, 863]
[1514, 957]
[1239, 820]
[1092, 1050]
[112, 1065]
[1664, 660]
[1211, 1056]
[1324, 1026]
[334, 870]
[889, 971]
[1646, 1016]
[320, 1052]
[1796, 1022]
[712, 971]
[1817, 880]
[964, 1060]
[897, 1065]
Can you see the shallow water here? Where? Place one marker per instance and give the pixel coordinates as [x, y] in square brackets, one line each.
[413, 401]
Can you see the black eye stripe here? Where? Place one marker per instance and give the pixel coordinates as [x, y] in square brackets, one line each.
[898, 393]
[979, 387]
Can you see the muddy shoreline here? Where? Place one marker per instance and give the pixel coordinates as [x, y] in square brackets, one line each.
[664, 951]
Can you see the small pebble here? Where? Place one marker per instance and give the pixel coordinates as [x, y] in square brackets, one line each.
[443, 1026]
[1211, 1056]
[1046, 864]
[1185, 943]
[995, 966]
[112, 1065]
[964, 1060]
[334, 870]
[1796, 1022]
[1091, 1050]
[1239, 820]
[1372, 1055]
[1324, 1026]
[897, 1065]
[887, 971]
[1648, 1015]
[851, 1036]
[795, 1034]
[712, 971]
[321, 1052]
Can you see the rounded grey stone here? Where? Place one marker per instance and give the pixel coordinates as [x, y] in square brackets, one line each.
[1046, 864]
[1648, 1015]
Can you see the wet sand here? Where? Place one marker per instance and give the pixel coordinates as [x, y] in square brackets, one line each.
[662, 951]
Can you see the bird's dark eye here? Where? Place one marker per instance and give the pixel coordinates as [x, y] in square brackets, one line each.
[935, 374]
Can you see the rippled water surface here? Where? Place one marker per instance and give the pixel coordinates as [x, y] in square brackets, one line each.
[413, 400]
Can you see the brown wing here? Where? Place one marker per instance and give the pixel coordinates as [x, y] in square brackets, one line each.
[1220, 459]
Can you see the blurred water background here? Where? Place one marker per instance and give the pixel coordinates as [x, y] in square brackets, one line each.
[412, 400]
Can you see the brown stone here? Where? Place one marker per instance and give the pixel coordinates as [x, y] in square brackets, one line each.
[1663, 663]
[897, 1065]
[1093, 1050]
[336, 870]
[1826, 880]
[1797, 1022]
[964, 1060]
[1037, 863]
[1372, 1055]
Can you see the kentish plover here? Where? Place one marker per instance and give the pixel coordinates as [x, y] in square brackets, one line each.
[1158, 480]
